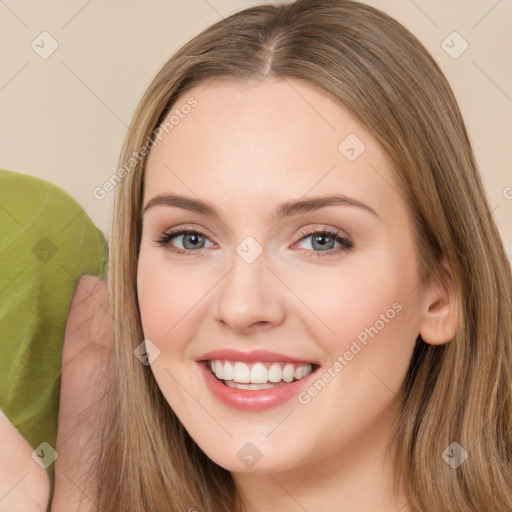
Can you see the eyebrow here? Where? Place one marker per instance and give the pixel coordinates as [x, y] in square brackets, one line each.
[285, 209]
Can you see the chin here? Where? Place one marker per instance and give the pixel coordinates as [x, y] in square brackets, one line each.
[239, 456]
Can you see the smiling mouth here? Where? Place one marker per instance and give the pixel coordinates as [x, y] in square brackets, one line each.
[259, 375]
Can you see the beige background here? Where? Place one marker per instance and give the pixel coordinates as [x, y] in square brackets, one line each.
[64, 117]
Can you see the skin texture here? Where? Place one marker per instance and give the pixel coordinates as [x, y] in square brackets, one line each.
[87, 394]
[24, 485]
[246, 148]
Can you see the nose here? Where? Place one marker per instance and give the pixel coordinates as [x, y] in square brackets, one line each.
[250, 298]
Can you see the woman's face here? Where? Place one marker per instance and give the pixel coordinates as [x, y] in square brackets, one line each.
[299, 284]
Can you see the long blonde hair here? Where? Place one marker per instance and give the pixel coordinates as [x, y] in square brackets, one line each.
[459, 392]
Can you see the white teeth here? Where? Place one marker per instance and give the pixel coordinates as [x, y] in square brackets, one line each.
[258, 374]
[237, 385]
[241, 373]
[219, 369]
[288, 372]
[228, 371]
[275, 373]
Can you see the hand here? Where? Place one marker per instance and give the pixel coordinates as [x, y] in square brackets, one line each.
[24, 485]
[87, 393]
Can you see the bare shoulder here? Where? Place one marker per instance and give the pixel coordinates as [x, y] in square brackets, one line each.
[87, 392]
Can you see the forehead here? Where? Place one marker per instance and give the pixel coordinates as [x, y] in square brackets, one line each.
[273, 140]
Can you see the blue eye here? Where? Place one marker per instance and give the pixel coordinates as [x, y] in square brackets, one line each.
[323, 242]
[191, 240]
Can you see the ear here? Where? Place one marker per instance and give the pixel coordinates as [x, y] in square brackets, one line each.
[440, 310]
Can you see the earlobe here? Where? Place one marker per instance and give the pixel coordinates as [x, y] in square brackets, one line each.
[441, 315]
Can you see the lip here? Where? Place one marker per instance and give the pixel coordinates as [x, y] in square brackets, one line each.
[253, 356]
[252, 400]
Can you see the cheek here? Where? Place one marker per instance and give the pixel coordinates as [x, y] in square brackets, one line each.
[373, 318]
[165, 297]
[174, 301]
[367, 320]
[349, 299]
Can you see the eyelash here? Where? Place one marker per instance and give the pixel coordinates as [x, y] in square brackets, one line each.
[345, 244]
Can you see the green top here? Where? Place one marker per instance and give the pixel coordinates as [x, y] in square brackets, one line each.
[47, 242]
